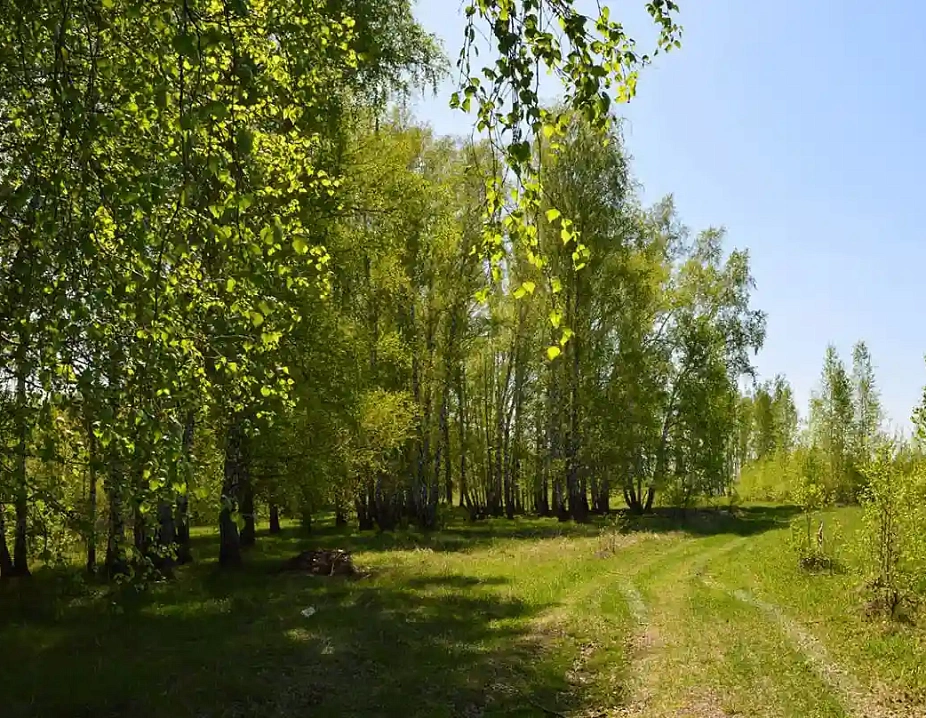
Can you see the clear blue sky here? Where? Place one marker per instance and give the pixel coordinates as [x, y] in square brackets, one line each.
[799, 126]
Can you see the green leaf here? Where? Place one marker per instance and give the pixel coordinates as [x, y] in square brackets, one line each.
[529, 287]
[216, 109]
[265, 391]
[300, 245]
[257, 318]
[185, 45]
[553, 214]
[230, 284]
[553, 352]
[245, 140]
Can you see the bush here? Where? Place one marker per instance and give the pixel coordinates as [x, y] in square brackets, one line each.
[815, 547]
[894, 534]
[815, 550]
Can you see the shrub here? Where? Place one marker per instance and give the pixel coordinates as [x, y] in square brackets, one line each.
[815, 550]
[893, 538]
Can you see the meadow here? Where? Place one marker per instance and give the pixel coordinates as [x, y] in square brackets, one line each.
[698, 614]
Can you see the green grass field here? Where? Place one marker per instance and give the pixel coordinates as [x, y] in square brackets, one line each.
[703, 616]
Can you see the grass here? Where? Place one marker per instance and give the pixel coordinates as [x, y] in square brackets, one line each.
[702, 614]
[887, 656]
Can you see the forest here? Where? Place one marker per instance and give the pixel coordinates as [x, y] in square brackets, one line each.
[250, 304]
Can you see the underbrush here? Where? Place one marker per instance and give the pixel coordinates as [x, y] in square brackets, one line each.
[816, 548]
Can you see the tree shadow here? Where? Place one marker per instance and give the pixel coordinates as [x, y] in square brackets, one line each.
[216, 644]
[738, 521]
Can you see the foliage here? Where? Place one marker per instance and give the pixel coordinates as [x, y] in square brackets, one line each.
[527, 38]
[893, 537]
[773, 479]
[269, 295]
[842, 431]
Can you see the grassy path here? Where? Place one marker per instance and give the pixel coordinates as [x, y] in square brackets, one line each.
[706, 654]
[704, 648]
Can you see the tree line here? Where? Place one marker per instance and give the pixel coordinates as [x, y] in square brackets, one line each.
[843, 427]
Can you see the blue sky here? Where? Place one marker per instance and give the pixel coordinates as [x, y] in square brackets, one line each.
[800, 127]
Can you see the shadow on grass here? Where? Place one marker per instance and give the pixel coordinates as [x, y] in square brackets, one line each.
[740, 521]
[455, 536]
[421, 637]
[234, 645]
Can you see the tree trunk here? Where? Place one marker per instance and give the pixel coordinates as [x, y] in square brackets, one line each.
[442, 454]
[448, 473]
[6, 561]
[506, 471]
[515, 449]
[650, 495]
[91, 499]
[560, 507]
[542, 487]
[340, 516]
[249, 530]
[139, 530]
[633, 499]
[182, 534]
[493, 462]
[229, 538]
[274, 519]
[114, 486]
[365, 505]
[445, 407]
[603, 496]
[560, 500]
[21, 497]
[386, 513]
[498, 485]
[164, 558]
[115, 540]
[578, 497]
[461, 402]
[184, 552]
